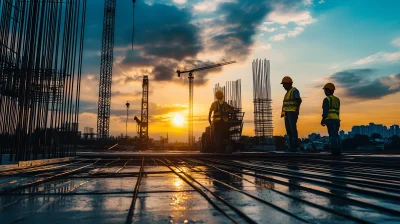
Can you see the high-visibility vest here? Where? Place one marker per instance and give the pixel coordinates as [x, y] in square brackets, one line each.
[289, 102]
[220, 111]
[334, 107]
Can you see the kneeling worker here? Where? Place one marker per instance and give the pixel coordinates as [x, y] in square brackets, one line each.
[330, 117]
[219, 124]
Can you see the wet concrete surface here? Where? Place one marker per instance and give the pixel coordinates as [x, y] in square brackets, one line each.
[204, 190]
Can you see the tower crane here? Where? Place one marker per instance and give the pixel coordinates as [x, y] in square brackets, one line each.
[191, 77]
[106, 66]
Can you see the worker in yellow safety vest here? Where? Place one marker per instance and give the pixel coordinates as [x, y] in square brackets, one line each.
[290, 111]
[220, 128]
[330, 117]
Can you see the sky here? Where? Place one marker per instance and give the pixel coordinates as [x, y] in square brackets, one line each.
[354, 43]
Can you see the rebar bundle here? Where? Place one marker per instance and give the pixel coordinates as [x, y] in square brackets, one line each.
[41, 44]
[233, 96]
[262, 98]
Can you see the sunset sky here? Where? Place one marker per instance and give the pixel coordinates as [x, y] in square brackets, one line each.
[352, 43]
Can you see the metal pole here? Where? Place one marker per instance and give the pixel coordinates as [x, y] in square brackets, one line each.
[127, 117]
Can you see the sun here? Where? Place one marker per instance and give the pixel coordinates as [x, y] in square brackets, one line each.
[178, 120]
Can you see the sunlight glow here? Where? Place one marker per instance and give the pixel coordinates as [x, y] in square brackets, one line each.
[178, 120]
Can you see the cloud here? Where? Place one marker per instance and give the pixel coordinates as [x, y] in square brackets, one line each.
[270, 30]
[284, 16]
[307, 2]
[209, 5]
[358, 83]
[396, 42]
[291, 33]
[241, 21]
[172, 35]
[379, 57]
[180, 1]
[134, 93]
[158, 109]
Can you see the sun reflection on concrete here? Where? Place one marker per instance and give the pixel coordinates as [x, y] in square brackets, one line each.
[178, 183]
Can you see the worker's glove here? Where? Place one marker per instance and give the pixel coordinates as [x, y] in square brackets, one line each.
[323, 122]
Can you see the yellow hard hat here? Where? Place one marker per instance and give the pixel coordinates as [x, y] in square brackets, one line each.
[329, 86]
[286, 79]
[219, 94]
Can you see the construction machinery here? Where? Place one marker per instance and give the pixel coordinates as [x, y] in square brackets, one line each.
[191, 77]
[106, 66]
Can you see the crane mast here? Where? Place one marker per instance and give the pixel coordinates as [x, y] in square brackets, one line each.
[191, 77]
[106, 66]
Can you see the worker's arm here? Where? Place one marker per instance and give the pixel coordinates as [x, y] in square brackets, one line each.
[211, 111]
[298, 99]
[325, 109]
[209, 116]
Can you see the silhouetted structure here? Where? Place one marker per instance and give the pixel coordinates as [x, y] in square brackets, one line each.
[88, 133]
[191, 77]
[41, 45]
[233, 96]
[106, 66]
[144, 125]
[262, 98]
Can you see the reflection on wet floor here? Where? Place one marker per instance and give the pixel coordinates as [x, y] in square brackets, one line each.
[202, 190]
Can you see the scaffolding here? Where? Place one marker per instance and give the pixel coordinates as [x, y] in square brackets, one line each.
[41, 44]
[262, 98]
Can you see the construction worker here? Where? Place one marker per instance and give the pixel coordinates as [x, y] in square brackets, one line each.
[330, 117]
[290, 110]
[219, 123]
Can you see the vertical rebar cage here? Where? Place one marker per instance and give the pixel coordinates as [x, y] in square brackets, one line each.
[41, 44]
[263, 125]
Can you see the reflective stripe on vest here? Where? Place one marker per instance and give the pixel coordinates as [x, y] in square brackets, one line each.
[334, 107]
[289, 103]
[217, 112]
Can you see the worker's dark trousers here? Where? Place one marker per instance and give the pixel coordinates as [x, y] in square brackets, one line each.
[333, 131]
[291, 129]
[221, 133]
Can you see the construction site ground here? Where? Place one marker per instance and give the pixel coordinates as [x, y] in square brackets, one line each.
[177, 187]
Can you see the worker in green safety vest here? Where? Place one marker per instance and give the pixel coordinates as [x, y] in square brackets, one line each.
[290, 111]
[330, 117]
[220, 128]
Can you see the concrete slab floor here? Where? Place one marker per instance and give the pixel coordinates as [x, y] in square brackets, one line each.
[204, 190]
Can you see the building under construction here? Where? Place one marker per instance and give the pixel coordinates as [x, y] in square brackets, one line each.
[41, 44]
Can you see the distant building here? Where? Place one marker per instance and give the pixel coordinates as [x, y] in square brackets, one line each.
[394, 130]
[373, 128]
